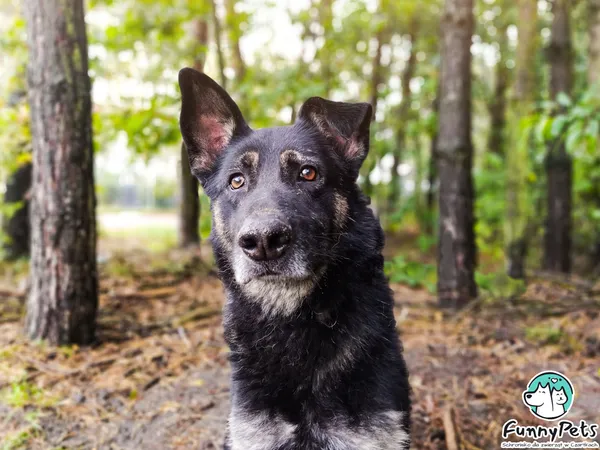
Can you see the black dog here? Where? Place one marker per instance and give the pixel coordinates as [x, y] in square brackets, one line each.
[316, 362]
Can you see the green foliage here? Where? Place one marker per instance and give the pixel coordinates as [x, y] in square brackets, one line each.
[577, 126]
[498, 285]
[544, 335]
[412, 273]
[21, 394]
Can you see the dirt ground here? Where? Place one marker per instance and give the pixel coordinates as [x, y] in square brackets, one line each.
[158, 377]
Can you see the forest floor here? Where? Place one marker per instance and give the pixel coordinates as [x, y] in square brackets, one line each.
[158, 377]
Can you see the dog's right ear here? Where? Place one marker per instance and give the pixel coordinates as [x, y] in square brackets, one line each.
[209, 120]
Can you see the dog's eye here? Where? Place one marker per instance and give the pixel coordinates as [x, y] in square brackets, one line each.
[308, 173]
[237, 181]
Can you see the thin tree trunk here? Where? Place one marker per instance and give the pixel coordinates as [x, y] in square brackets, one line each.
[557, 242]
[325, 55]
[456, 248]
[497, 106]
[63, 298]
[432, 171]
[234, 34]
[376, 81]
[594, 82]
[218, 43]
[403, 113]
[189, 207]
[518, 203]
[594, 50]
[16, 227]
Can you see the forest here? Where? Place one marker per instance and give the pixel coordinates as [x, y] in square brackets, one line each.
[483, 169]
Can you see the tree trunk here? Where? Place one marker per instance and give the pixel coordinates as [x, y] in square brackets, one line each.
[16, 226]
[456, 247]
[518, 202]
[497, 106]
[432, 170]
[217, 36]
[376, 81]
[403, 113]
[557, 242]
[63, 298]
[234, 34]
[594, 50]
[325, 55]
[594, 82]
[189, 206]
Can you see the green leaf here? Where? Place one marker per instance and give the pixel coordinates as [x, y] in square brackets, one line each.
[593, 129]
[542, 130]
[574, 135]
[563, 100]
[558, 125]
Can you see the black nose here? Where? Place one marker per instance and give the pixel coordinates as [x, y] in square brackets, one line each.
[265, 240]
[528, 396]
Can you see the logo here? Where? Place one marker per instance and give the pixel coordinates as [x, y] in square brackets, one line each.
[549, 395]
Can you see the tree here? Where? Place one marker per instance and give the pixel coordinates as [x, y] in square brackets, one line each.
[497, 105]
[189, 208]
[594, 83]
[594, 51]
[63, 297]
[557, 242]
[454, 154]
[403, 113]
[518, 202]
[16, 226]
[218, 43]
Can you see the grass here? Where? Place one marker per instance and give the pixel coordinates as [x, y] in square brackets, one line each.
[22, 394]
[21, 439]
[154, 238]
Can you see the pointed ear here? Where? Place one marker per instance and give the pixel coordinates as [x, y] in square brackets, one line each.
[209, 120]
[345, 125]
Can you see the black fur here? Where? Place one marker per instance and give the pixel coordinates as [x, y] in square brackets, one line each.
[335, 360]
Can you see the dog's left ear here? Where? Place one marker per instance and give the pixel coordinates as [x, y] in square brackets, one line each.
[345, 125]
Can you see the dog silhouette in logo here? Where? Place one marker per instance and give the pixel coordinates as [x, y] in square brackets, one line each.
[549, 395]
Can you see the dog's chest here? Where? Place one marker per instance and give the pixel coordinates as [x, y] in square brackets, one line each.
[261, 431]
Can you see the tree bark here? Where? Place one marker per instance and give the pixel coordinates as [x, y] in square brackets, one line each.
[189, 206]
[325, 55]
[594, 50]
[377, 78]
[63, 298]
[403, 113]
[497, 106]
[234, 34]
[557, 241]
[518, 203]
[432, 170]
[594, 82]
[456, 245]
[218, 43]
[16, 227]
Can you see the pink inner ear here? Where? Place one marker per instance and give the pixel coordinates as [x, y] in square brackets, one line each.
[214, 135]
[354, 148]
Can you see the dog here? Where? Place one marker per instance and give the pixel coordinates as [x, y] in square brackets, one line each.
[549, 402]
[315, 356]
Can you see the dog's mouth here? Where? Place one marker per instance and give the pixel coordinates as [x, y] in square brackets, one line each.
[277, 277]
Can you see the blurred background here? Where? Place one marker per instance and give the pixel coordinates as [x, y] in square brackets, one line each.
[136, 358]
[273, 55]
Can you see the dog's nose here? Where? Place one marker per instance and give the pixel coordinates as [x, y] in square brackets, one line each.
[266, 239]
[528, 396]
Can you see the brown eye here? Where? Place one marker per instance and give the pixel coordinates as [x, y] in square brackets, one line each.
[308, 173]
[237, 181]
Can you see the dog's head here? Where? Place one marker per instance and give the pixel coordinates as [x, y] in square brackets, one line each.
[538, 397]
[280, 196]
